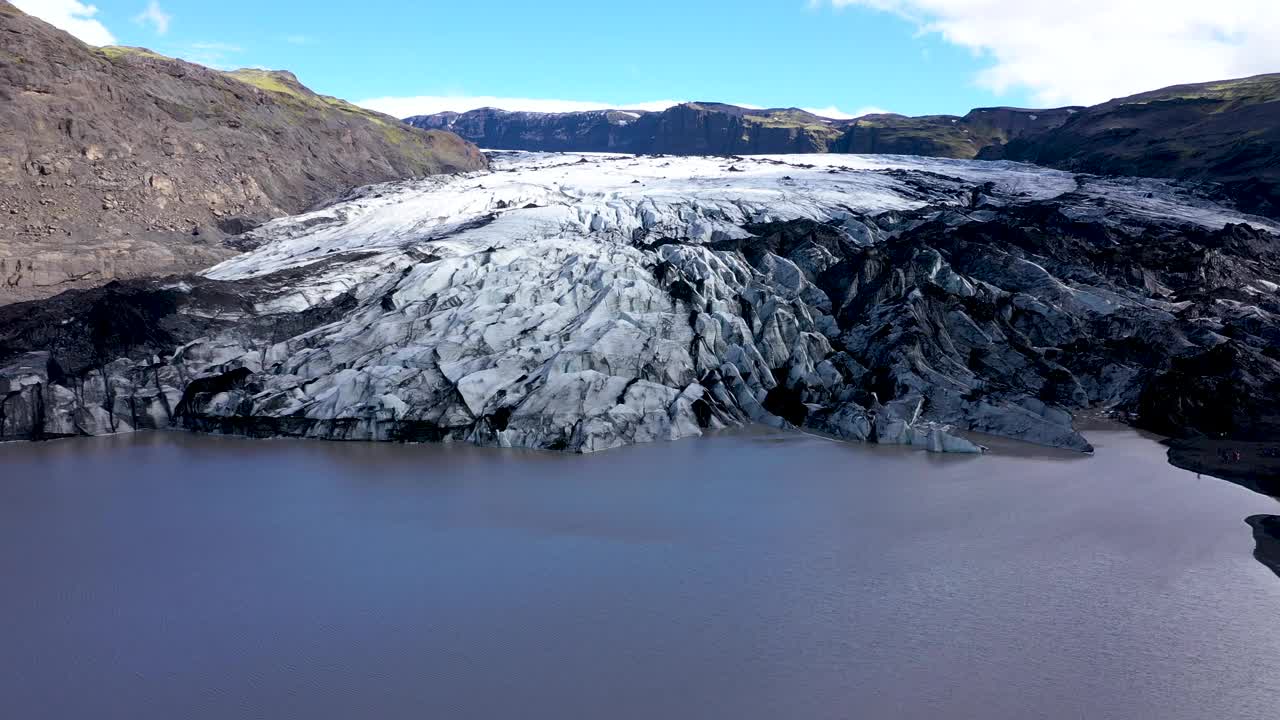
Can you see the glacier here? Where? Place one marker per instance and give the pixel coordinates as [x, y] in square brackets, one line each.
[581, 302]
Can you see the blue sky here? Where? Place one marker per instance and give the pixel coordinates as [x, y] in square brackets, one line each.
[908, 56]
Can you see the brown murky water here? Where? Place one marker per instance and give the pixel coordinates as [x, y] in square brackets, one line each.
[746, 576]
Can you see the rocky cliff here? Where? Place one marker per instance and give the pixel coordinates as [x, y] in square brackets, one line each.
[1227, 132]
[597, 131]
[119, 163]
[719, 129]
[687, 129]
[581, 303]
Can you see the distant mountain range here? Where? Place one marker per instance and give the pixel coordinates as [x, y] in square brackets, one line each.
[706, 128]
[1226, 132]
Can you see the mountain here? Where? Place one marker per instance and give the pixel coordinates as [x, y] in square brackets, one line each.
[118, 162]
[582, 303]
[1227, 132]
[719, 129]
[687, 129]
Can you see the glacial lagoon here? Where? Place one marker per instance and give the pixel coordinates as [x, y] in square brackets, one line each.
[754, 574]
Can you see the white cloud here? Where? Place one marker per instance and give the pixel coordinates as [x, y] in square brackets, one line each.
[429, 104]
[71, 16]
[297, 39]
[835, 113]
[1089, 51]
[158, 18]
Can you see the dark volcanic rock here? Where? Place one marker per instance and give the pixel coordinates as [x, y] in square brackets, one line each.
[1033, 309]
[107, 352]
[119, 163]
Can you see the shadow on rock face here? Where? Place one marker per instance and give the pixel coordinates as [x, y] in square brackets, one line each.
[1266, 533]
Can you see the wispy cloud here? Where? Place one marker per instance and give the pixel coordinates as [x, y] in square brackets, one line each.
[154, 16]
[1089, 51]
[71, 16]
[297, 39]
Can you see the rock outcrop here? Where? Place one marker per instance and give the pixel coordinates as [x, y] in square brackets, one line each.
[585, 302]
[120, 163]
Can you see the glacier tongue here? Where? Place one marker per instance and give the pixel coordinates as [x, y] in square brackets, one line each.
[582, 302]
[538, 319]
